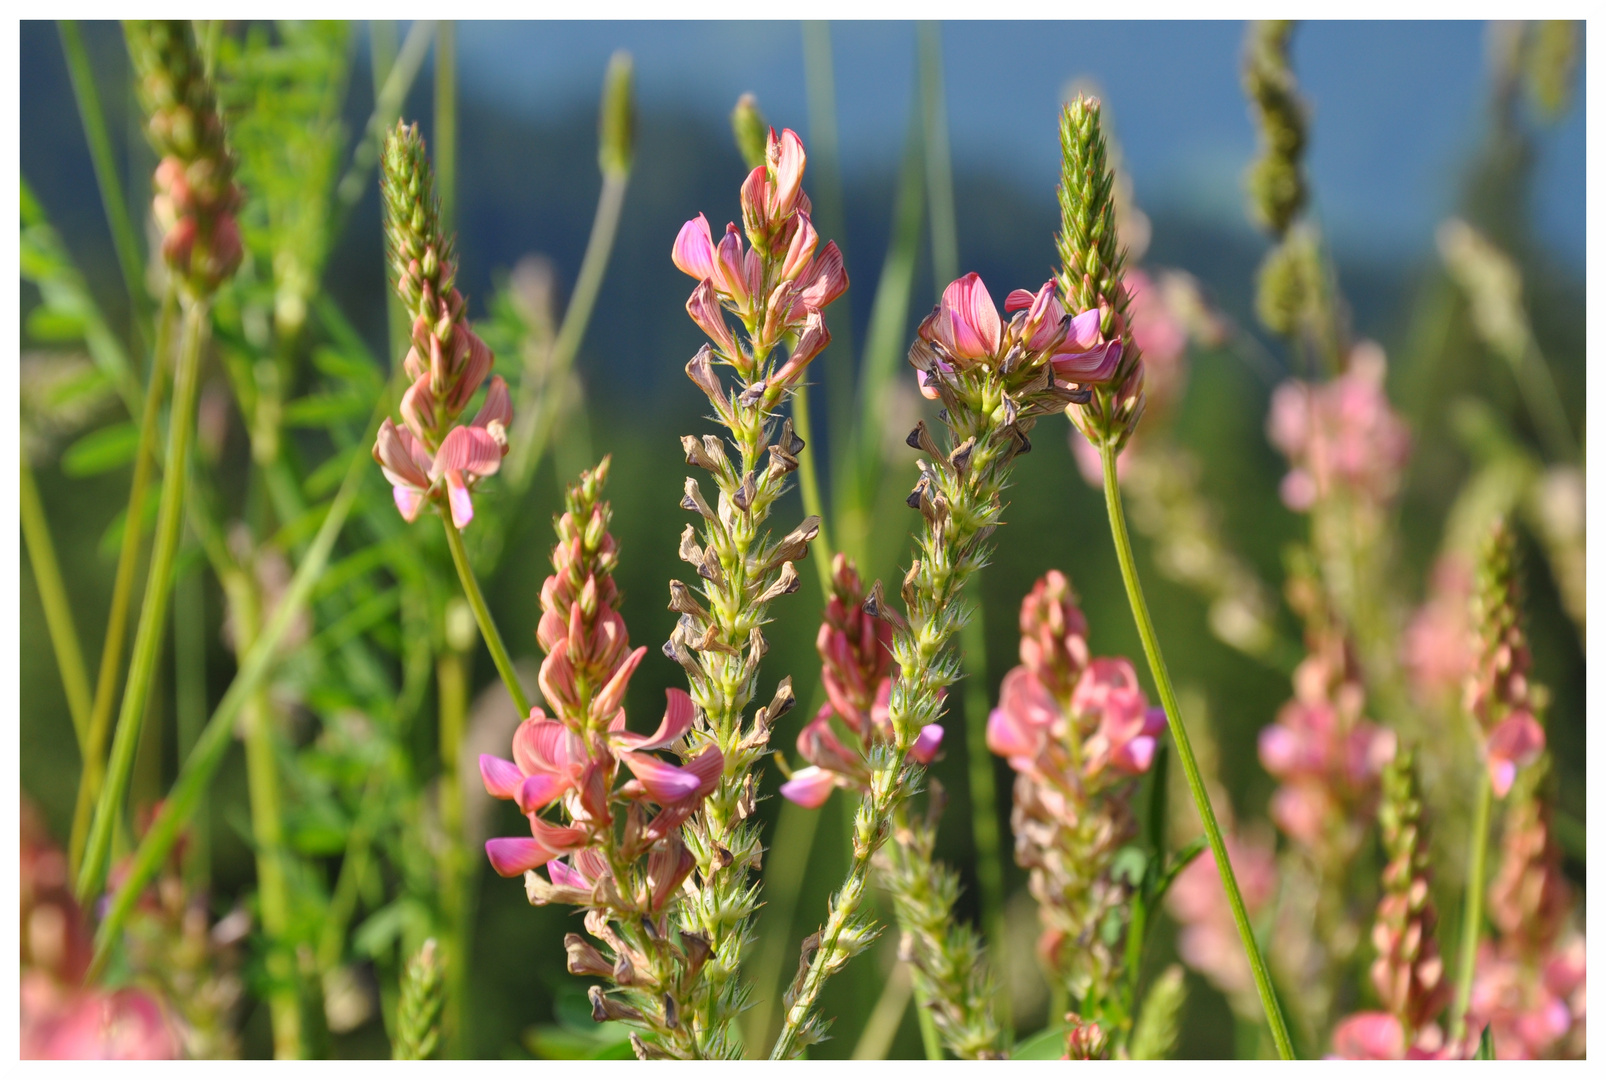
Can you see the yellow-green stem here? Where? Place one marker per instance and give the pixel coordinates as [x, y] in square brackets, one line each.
[1472, 916]
[58, 611]
[153, 612]
[445, 156]
[984, 831]
[93, 768]
[808, 482]
[451, 686]
[189, 707]
[1190, 766]
[794, 836]
[273, 894]
[482, 615]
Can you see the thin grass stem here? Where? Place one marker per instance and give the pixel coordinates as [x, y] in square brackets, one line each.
[1190, 766]
[58, 610]
[1472, 918]
[482, 616]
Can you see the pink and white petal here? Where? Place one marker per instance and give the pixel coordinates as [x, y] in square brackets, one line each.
[809, 787]
[612, 695]
[498, 405]
[408, 501]
[926, 745]
[558, 839]
[502, 777]
[693, 252]
[512, 856]
[664, 782]
[540, 791]
[471, 450]
[678, 717]
[562, 874]
[457, 495]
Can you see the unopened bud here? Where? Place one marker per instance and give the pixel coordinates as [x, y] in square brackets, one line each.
[750, 129]
[616, 124]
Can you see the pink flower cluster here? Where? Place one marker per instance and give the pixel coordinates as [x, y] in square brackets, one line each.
[964, 331]
[1327, 757]
[572, 759]
[431, 456]
[857, 669]
[1438, 646]
[778, 287]
[1073, 723]
[1341, 435]
[62, 1019]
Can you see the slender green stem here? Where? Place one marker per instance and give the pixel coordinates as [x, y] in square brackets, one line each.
[794, 836]
[984, 830]
[451, 684]
[1543, 401]
[353, 867]
[387, 107]
[124, 240]
[809, 485]
[887, 1016]
[189, 703]
[58, 610]
[939, 165]
[930, 1039]
[445, 155]
[215, 740]
[1190, 766]
[153, 611]
[482, 615]
[111, 651]
[535, 434]
[1472, 919]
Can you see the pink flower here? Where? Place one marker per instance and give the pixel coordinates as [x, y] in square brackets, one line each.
[1026, 717]
[1084, 356]
[966, 323]
[1127, 728]
[1369, 1036]
[693, 252]
[406, 464]
[810, 787]
[1208, 941]
[92, 1024]
[1516, 741]
[1438, 652]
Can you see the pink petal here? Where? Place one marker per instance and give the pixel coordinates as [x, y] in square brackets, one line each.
[809, 787]
[497, 405]
[666, 783]
[1006, 738]
[472, 450]
[397, 452]
[694, 249]
[677, 721]
[418, 406]
[789, 164]
[1516, 741]
[1135, 756]
[973, 320]
[1369, 1036]
[612, 696]
[559, 839]
[562, 874]
[408, 500]
[1018, 299]
[540, 791]
[461, 502]
[1094, 366]
[824, 280]
[542, 745]
[925, 747]
[511, 856]
[707, 767]
[502, 778]
[1083, 334]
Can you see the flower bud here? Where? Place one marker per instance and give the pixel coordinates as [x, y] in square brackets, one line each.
[616, 123]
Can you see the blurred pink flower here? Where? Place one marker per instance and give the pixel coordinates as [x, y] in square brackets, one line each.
[1208, 940]
[1438, 647]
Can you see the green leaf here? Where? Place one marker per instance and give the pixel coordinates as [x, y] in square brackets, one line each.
[317, 828]
[321, 410]
[1485, 1046]
[402, 918]
[51, 323]
[101, 451]
[1178, 863]
[112, 539]
[1046, 1045]
[86, 389]
[348, 367]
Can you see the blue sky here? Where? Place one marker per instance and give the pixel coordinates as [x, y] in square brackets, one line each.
[1396, 106]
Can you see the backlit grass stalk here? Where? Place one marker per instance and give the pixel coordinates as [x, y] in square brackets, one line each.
[1090, 279]
[58, 609]
[93, 768]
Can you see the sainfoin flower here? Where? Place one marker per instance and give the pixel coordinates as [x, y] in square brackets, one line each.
[1437, 649]
[1076, 729]
[1340, 436]
[857, 669]
[432, 459]
[1208, 938]
[965, 331]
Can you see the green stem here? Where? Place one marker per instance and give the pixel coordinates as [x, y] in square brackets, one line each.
[1472, 920]
[535, 435]
[809, 486]
[794, 835]
[111, 652]
[445, 155]
[189, 703]
[983, 791]
[887, 1016]
[482, 615]
[124, 239]
[58, 610]
[1543, 401]
[451, 682]
[153, 612]
[939, 164]
[218, 735]
[353, 867]
[1190, 766]
[387, 107]
[930, 1040]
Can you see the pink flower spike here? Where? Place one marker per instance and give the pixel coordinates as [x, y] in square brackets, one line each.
[968, 326]
[694, 249]
[1369, 1036]
[511, 856]
[678, 716]
[926, 746]
[502, 778]
[809, 787]
[664, 782]
[1517, 741]
[540, 791]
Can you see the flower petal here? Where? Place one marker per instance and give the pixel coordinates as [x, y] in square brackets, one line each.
[472, 450]
[559, 839]
[973, 323]
[539, 791]
[666, 783]
[926, 745]
[498, 406]
[809, 787]
[511, 856]
[612, 695]
[678, 717]
[694, 249]
[502, 777]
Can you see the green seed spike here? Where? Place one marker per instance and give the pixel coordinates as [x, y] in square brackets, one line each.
[418, 1015]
